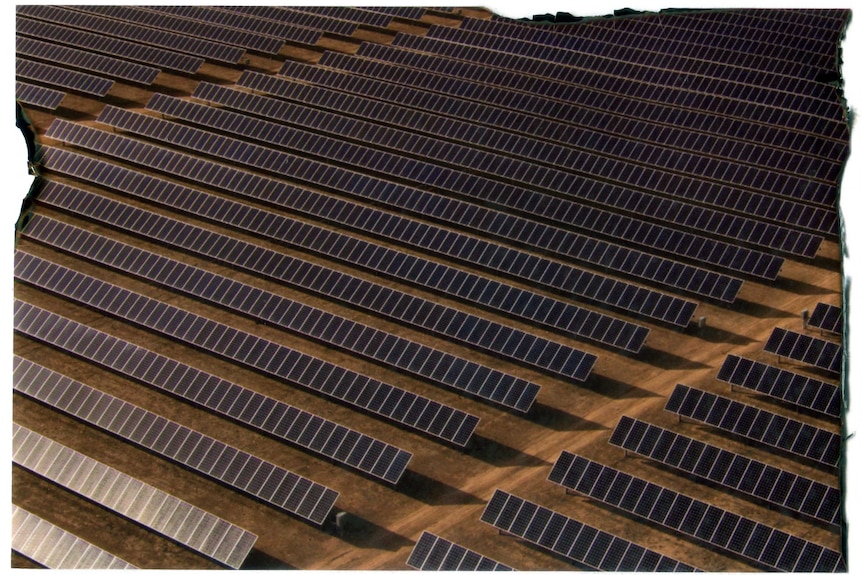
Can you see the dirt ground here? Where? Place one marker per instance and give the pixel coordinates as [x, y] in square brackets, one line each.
[445, 489]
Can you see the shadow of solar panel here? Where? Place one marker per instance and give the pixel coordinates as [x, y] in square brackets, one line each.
[55, 548]
[451, 425]
[436, 366]
[146, 17]
[382, 300]
[308, 500]
[827, 318]
[750, 422]
[757, 542]
[38, 96]
[81, 59]
[135, 500]
[433, 553]
[618, 227]
[787, 386]
[284, 421]
[521, 144]
[776, 209]
[59, 77]
[825, 355]
[110, 27]
[163, 59]
[766, 482]
[568, 537]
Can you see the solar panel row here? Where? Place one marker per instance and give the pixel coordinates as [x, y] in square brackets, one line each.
[823, 354]
[387, 401]
[604, 254]
[827, 318]
[568, 49]
[436, 366]
[212, 458]
[291, 27]
[750, 422]
[731, 470]
[91, 23]
[616, 226]
[38, 96]
[633, 201]
[163, 59]
[56, 548]
[570, 538]
[74, 58]
[739, 97]
[286, 422]
[554, 110]
[711, 524]
[433, 553]
[356, 15]
[787, 386]
[406, 12]
[58, 77]
[194, 28]
[129, 497]
[461, 326]
[811, 120]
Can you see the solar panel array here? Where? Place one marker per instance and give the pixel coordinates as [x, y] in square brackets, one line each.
[96, 24]
[767, 546]
[728, 469]
[56, 548]
[618, 227]
[570, 538]
[782, 384]
[286, 422]
[391, 350]
[163, 59]
[403, 407]
[131, 498]
[356, 15]
[433, 553]
[823, 354]
[106, 65]
[464, 327]
[828, 318]
[62, 78]
[214, 459]
[38, 96]
[498, 140]
[750, 422]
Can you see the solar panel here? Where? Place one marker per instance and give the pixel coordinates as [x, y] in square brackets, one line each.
[38, 96]
[163, 59]
[212, 458]
[728, 469]
[710, 524]
[276, 20]
[809, 350]
[141, 34]
[406, 12]
[827, 318]
[436, 366]
[749, 422]
[787, 386]
[56, 548]
[524, 146]
[433, 553]
[490, 335]
[81, 59]
[258, 42]
[356, 15]
[617, 227]
[286, 422]
[62, 78]
[571, 538]
[410, 410]
[155, 509]
[600, 253]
